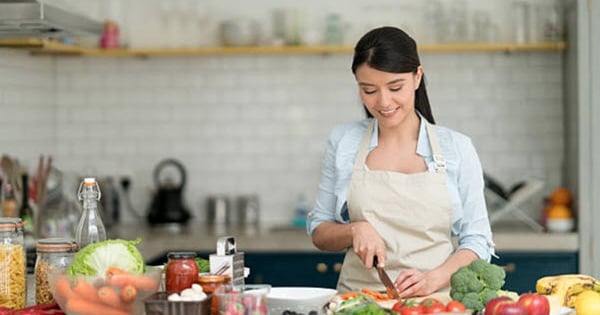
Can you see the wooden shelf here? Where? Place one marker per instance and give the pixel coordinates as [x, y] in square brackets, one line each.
[49, 47]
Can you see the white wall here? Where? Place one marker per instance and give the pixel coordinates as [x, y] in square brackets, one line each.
[245, 124]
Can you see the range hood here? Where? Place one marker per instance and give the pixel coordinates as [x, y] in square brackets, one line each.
[30, 18]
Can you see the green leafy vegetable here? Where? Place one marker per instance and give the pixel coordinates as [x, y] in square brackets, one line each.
[95, 258]
[203, 264]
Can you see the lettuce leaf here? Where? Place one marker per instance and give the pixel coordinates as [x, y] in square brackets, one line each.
[94, 259]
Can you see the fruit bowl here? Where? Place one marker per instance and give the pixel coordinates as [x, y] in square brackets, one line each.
[116, 294]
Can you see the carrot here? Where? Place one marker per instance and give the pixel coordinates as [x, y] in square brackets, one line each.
[111, 271]
[86, 291]
[349, 295]
[63, 288]
[140, 282]
[378, 296]
[81, 306]
[109, 297]
[128, 293]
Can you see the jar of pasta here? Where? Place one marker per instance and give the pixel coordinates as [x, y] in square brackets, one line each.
[52, 254]
[13, 277]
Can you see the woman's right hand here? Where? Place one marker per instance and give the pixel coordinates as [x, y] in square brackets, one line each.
[367, 243]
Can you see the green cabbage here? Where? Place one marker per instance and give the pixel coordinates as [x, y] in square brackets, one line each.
[94, 259]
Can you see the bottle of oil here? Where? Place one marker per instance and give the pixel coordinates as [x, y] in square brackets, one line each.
[90, 228]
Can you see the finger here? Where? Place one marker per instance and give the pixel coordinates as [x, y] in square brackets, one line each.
[411, 291]
[381, 259]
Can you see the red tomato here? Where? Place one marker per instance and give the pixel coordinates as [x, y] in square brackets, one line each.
[431, 306]
[535, 304]
[504, 306]
[408, 307]
[455, 306]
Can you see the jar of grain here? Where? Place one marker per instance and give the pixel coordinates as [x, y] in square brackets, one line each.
[52, 254]
[13, 283]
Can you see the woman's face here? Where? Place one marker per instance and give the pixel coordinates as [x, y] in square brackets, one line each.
[389, 97]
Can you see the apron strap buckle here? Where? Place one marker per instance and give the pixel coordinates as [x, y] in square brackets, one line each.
[440, 163]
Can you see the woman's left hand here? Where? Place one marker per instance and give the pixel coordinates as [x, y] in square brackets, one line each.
[412, 282]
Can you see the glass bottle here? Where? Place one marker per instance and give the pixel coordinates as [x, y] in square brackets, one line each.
[27, 214]
[52, 253]
[13, 281]
[90, 228]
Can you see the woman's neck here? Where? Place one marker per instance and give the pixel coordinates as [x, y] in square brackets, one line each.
[406, 131]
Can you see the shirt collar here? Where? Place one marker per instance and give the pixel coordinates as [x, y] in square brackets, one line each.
[423, 147]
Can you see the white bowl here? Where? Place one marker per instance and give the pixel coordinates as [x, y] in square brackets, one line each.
[298, 299]
[560, 225]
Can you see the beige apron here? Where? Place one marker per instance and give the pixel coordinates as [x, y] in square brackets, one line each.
[411, 212]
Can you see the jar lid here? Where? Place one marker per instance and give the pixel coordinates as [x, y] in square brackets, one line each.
[11, 224]
[181, 255]
[56, 244]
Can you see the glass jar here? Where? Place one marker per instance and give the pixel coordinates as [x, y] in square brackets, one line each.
[181, 271]
[52, 253]
[13, 281]
[210, 283]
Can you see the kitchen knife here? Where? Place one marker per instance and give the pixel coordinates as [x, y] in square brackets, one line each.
[385, 279]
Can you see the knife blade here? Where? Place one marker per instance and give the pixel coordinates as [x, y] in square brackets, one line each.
[385, 279]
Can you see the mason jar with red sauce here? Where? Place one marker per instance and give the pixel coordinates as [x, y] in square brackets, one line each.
[181, 271]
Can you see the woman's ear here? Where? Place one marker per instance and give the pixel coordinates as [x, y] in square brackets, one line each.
[418, 76]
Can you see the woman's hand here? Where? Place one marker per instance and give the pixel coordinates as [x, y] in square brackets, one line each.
[367, 243]
[412, 282]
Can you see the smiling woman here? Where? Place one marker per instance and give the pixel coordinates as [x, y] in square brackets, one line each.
[394, 186]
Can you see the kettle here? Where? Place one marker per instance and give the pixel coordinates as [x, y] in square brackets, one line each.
[167, 205]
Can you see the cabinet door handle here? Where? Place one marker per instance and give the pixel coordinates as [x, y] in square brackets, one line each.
[509, 268]
[322, 267]
[337, 267]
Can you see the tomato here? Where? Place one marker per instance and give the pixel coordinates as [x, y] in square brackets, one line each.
[408, 307]
[431, 306]
[536, 304]
[455, 306]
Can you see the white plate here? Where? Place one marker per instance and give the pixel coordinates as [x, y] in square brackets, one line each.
[564, 311]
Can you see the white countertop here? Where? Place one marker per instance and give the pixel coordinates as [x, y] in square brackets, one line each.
[156, 241]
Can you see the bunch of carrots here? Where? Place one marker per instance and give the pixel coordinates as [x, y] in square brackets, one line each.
[113, 295]
[377, 296]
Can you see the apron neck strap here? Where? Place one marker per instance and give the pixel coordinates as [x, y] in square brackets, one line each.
[436, 151]
[363, 149]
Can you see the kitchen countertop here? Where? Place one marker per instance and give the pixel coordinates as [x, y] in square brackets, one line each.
[199, 237]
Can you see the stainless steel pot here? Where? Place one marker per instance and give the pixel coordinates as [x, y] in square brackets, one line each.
[218, 210]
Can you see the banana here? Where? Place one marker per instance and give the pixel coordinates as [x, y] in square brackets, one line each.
[566, 287]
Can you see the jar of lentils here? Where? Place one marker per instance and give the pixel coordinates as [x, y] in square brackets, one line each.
[13, 264]
[52, 254]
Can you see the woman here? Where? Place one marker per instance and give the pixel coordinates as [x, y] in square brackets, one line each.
[395, 185]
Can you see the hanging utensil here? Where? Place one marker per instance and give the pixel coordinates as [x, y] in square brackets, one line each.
[385, 279]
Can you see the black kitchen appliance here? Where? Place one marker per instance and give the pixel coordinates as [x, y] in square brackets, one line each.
[167, 205]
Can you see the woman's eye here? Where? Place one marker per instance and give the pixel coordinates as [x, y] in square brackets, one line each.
[368, 91]
[395, 89]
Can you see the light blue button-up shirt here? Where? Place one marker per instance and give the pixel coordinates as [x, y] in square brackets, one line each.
[464, 178]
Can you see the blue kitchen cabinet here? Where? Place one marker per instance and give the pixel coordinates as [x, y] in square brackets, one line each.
[524, 268]
[313, 269]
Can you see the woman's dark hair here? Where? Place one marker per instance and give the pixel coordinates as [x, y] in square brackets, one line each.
[390, 49]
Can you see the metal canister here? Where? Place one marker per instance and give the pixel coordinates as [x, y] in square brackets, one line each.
[52, 254]
[13, 264]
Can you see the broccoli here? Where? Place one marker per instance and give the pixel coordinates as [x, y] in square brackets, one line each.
[472, 301]
[477, 283]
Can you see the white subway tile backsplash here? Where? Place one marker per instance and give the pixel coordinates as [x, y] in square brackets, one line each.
[259, 124]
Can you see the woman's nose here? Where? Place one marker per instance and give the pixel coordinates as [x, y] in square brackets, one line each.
[385, 98]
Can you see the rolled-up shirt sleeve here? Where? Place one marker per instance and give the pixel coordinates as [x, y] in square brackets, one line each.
[325, 204]
[474, 232]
